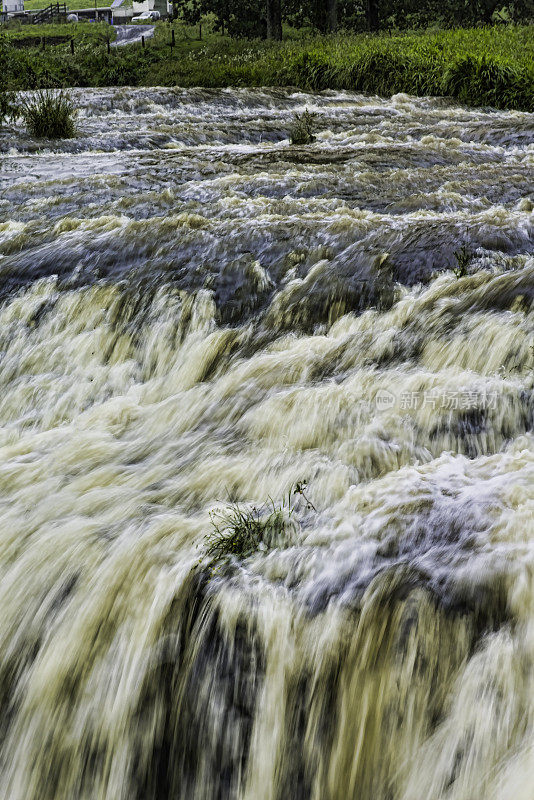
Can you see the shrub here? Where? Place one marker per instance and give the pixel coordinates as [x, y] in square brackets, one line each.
[49, 115]
[302, 129]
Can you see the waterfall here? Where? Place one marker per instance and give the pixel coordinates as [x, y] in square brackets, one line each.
[195, 314]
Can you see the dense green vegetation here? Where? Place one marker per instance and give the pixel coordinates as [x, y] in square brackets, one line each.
[84, 33]
[265, 17]
[490, 66]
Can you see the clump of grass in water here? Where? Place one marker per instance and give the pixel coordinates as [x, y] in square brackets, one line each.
[240, 531]
[8, 107]
[302, 129]
[463, 258]
[49, 115]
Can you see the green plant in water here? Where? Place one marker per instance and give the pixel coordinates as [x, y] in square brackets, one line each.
[240, 531]
[383, 273]
[463, 258]
[300, 488]
[302, 129]
[49, 115]
[8, 107]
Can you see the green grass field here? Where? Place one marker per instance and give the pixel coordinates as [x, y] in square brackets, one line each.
[76, 29]
[491, 66]
[84, 33]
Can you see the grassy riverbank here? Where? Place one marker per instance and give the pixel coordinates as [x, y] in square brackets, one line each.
[83, 33]
[484, 66]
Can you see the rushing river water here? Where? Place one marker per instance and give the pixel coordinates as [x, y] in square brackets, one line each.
[193, 310]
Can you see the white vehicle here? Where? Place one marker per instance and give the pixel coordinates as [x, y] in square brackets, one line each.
[147, 16]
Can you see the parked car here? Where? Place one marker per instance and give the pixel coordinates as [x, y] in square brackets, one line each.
[146, 16]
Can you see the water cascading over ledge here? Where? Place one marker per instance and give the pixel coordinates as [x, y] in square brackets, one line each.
[192, 310]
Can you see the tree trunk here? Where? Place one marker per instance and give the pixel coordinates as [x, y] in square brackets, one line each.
[274, 19]
[488, 9]
[331, 15]
[372, 15]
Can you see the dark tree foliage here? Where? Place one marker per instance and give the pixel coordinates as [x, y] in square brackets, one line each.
[241, 19]
[449, 13]
[191, 11]
[325, 16]
[263, 18]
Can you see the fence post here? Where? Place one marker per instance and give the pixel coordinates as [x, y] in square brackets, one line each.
[72, 46]
[109, 47]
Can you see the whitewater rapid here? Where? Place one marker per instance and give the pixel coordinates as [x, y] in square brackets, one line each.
[192, 312]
